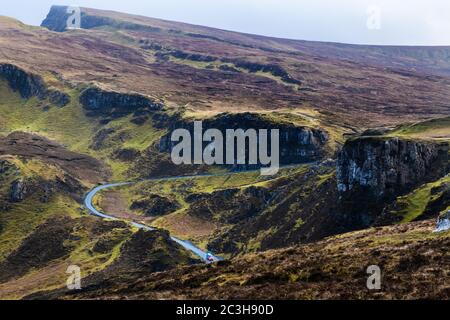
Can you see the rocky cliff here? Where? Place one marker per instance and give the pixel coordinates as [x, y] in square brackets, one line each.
[27, 84]
[98, 102]
[298, 144]
[56, 20]
[31, 85]
[372, 171]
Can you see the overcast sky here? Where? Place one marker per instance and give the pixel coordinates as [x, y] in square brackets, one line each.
[402, 22]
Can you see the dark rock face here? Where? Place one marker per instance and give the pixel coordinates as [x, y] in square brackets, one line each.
[155, 205]
[28, 85]
[58, 98]
[114, 104]
[297, 144]
[18, 191]
[6, 169]
[126, 154]
[373, 171]
[31, 85]
[99, 140]
[56, 20]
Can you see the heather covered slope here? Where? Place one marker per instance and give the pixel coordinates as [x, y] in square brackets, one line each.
[177, 63]
[264, 73]
[434, 60]
[414, 263]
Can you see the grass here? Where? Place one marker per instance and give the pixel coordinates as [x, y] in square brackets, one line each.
[436, 129]
[36, 168]
[70, 126]
[67, 125]
[91, 261]
[179, 222]
[24, 217]
[54, 276]
[414, 204]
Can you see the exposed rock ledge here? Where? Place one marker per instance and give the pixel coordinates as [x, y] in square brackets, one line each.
[298, 144]
[372, 171]
[98, 102]
[30, 85]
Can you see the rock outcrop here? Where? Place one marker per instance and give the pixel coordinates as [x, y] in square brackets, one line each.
[56, 20]
[27, 84]
[298, 144]
[58, 98]
[154, 205]
[373, 171]
[18, 191]
[98, 102]
[31, 85]
[273, 69]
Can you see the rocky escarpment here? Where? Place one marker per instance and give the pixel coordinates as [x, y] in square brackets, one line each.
[273, 69]
[27, 84]
[164, 53]
[31, 85]
[298, 144]
[18, 191]
[98, 102]
[373, 171]
[297, 209]
[56, 20]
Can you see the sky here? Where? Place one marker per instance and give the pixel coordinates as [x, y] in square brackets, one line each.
[388, 22]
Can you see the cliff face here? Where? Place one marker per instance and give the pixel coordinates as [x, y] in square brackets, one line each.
[30, 85]
[56, 20]
[372, 171]
[297, 144]
[98, 102]
[27, 84]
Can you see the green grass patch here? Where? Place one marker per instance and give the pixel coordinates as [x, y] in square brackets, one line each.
[414, 204]
[24, 217]
[436, 129]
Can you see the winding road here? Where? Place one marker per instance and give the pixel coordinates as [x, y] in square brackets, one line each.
[185, 244]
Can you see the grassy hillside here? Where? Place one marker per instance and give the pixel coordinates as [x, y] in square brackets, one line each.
[70, 126]
[131, 80]
[436, 129]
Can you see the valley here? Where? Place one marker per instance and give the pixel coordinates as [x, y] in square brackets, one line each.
[87, 179]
